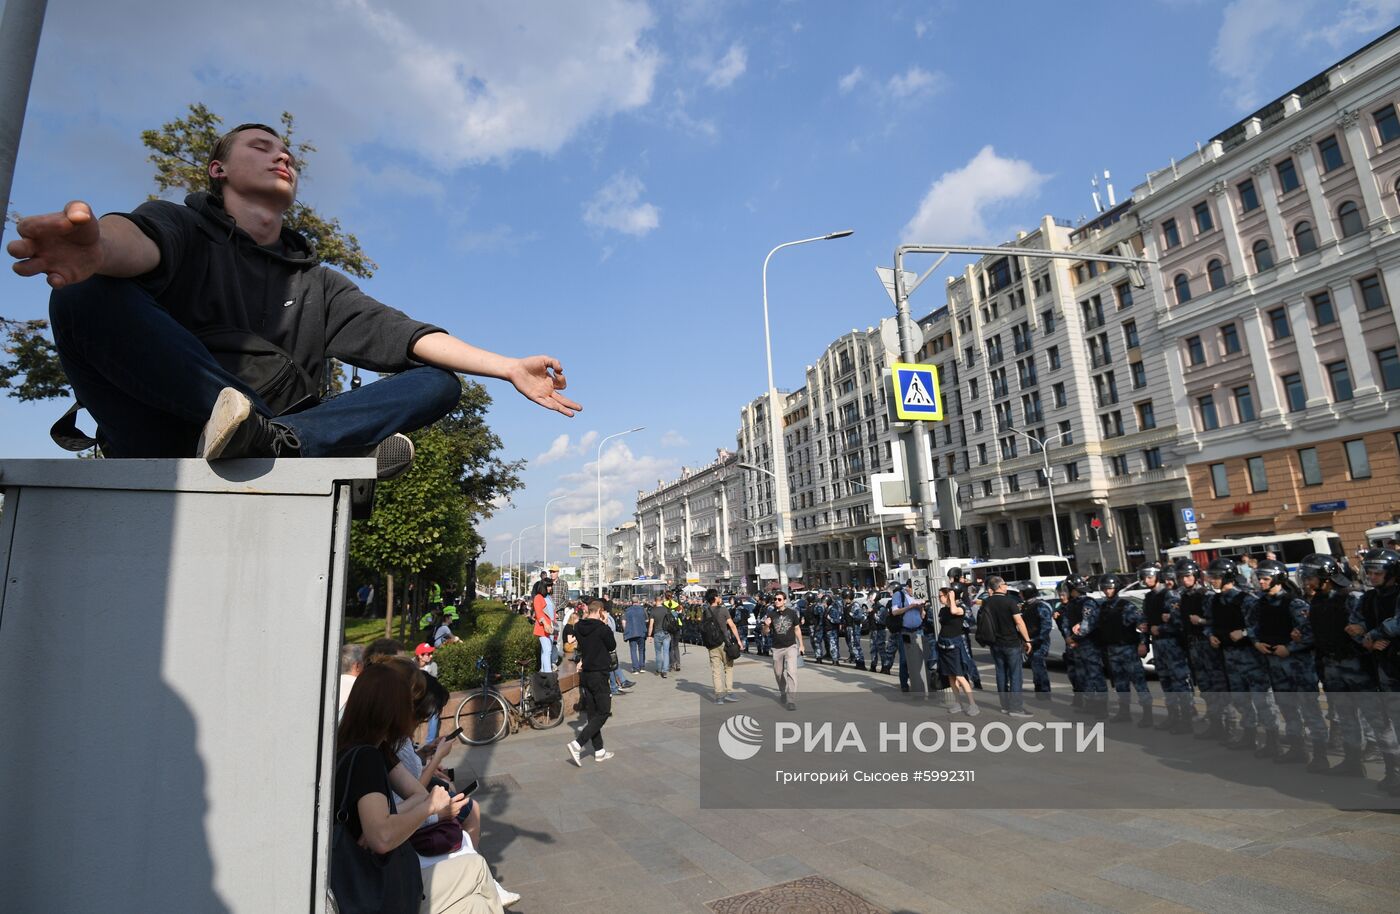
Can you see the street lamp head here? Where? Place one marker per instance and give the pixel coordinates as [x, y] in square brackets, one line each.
[841, 234]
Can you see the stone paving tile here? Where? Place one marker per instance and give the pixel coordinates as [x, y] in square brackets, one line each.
[1270, 894]
[781, 868]
[696, 890]
[1181, 831]
[1359, 896]
[1058, 902]
[1215, 897]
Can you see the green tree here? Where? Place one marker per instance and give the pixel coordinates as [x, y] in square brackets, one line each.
[180, 150]
[487, 574]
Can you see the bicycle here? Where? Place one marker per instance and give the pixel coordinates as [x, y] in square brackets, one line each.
[487, 716]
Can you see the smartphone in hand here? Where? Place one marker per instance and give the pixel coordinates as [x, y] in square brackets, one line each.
[454, 734]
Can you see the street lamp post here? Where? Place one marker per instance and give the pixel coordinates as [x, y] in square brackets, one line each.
[1049, 480]
[775, 441]
[757, 581]
[504, 569]
[599, 467]
[520, 559]
[546, 528]
[782, 575]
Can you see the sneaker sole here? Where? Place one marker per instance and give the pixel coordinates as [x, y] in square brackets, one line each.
[394, 456]
[230, 411]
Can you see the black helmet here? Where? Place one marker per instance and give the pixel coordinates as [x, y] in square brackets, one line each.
[1149, 570]
[1225, 569]
[1111, 582]
[1075, 583]
[1185, 566]
[1386, 560]
[1324, 568]
[1029, 592]
[1276, 571]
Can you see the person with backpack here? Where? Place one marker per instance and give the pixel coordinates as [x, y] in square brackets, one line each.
[833, 619]
[716, 629]
[1001, 628]
[854, 621]
[1085, 659]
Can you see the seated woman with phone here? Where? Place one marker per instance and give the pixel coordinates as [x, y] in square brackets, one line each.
[378, 715]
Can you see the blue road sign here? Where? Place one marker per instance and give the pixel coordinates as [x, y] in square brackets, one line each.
[1188, 515]
[916, 395]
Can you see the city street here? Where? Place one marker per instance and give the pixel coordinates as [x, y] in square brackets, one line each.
[630, 831]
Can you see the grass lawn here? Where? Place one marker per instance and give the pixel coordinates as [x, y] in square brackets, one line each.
[363, 631]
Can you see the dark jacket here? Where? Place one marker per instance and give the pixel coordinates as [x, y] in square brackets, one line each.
[213, 277]
[595, 643]
[634, 622]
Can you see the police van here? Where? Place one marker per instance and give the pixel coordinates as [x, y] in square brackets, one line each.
[1288, 548]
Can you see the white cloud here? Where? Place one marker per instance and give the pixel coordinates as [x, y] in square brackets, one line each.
[958, 203]
[913, 82]
[851, 80]
[503, 537]
[728, 68]
[673, 438]
[1358, 19]
[617, 205]
[452, 82]
[558, 450]
[623, 475]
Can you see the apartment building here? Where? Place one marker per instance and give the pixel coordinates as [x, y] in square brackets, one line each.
[684, 526]
[1279, 291]
[622, 559]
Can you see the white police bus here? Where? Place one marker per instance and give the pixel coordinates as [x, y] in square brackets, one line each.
[636, 589]
[1044, 571]
[1289, 548]
[1378, 537]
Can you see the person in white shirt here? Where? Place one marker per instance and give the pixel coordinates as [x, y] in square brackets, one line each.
[352, 661]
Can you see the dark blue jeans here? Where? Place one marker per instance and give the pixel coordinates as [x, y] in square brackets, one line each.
[150, 384]
[1008, 664]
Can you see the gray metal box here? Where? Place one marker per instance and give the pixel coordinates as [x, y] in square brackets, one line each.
[169, 633]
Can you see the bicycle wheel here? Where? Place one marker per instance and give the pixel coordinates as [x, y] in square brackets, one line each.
[546, 716]
[483, 718]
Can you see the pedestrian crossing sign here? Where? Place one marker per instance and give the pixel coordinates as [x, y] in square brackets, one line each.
[915, 391]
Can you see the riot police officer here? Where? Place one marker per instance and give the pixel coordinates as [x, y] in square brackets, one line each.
[1207, 662]
[1039, 619]
[1161, 608]
[1380, 624]
[1117, 625]
[833, 617]
[1245, 670]
[1283, 636]
[882, 647]
[1348, 670]
[1083, 652]
[854, 622]
[809, 607]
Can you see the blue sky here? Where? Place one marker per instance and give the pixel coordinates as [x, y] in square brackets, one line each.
[600, 181]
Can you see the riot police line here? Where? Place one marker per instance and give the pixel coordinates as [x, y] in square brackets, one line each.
[1263, 659]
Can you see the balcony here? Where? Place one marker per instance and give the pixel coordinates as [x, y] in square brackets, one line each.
[1100, 361]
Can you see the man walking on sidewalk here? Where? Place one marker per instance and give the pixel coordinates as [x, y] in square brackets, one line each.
[720, 623]
[657, 616]
[784, 625]
[1011, 643]
[595, 646]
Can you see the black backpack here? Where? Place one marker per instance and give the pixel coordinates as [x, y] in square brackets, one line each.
[711, 632]
[986, 631]
[544, 688]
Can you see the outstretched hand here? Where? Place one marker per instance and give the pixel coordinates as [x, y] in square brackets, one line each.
[66, 246]
[540, 378]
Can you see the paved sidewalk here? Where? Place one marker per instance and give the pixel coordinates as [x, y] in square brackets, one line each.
[628, 834]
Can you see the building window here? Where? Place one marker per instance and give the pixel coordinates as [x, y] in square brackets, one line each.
[1258, 476]
[1387, 127]
[982, 454]
[1053, 354]
[977, 420]
[1066, 435]
[1130, 334]
[1152, 458]
[1249, 200]
[1047, 321]
[1182, 285]
[1219, 481]
[1339, 375]
[1145, 416]
[1349, 218]
[1170, 236]
[1013, 483]
[1230, 338]
[1330, 153]
[1303, 238]
[1308, 463]
[1139, 371]
[1204, 223]
[1124, 291]
[1195, 352]
[1358, 464]
[1210, 420]
[1059, 391]
[1293, 392]
[1118, 464]
[1372, 297]
[1244, 403]
[1323, 312]
[1278, 322]
[1287, 176]
[1112, 424]
[1263, 256]
[1215, 275]
[1388, 364]
[1072, 472]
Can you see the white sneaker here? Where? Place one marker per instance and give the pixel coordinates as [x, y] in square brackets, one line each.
[731, 697]
[972, 711]
[506, 898]
[576, 752]
[1019, 714]
[603, 755]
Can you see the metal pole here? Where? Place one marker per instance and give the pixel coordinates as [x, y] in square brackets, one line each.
[19, 45]
[919, 491]
[505, 567]
[1049, 479]
[775, 441]
[546, 527]
[599, 467]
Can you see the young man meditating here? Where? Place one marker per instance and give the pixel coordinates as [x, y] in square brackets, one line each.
[203, 329]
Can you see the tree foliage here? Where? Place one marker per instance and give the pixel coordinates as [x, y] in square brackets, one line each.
[180, 150]
[487, 574]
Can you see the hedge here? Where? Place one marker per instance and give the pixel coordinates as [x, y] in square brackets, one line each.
[502, 637]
